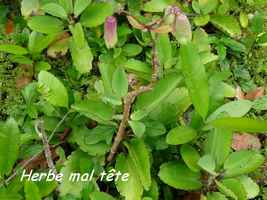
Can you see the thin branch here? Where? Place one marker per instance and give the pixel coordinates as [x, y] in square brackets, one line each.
[128, 101]
[39, 128]
[27, 162]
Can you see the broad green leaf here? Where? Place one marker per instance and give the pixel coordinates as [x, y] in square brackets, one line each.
[131, 49]
[95, 142]
[244, 20]
[208, 164]
[138, 128]
[179, 176]
[150, 100]
[131, 189]
[181, 135]
[156, 5]
[207, 6]
[226, 23]
[67, 5]
[96, 14]
[236, 187]
[9, 146]
[94, 109]
[29, 7]
[13, 49]
[190, 156]
[82, 57]
[46, 187]
[154, 128]
[21, 59]
[218, 145]
[164, 50]
[100, 196]
[80, 6]
[52, 89]
[38, 41]
[195, 78]
[31, 191]
[241, 124]
[58, 48]
[137, 66]
[120, 82]
[232, 109]
[46, 24]
[77, 162]
[55, 10]
[225, 190]
[153, 192]
[242, 162]
[139, 155]
[216, 196]
[251, 187]
[7, 195]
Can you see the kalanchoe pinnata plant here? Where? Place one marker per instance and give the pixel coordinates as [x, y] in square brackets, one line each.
[110, 32]
[142, 88]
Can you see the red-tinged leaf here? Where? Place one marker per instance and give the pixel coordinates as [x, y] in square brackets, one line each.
[245, 141]
[9, 26]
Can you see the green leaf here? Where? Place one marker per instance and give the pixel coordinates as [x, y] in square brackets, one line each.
[164, 50]
[139, 155]
[131, 189]
[96, 141]
[241, 124]
[179, 176]
[226, 23]
[154, 128]
[100, 196]
[242, 162]
[208, 164]
[9, 146]
[138, 128]
[148, 101]
[207, 6]
[120, 82]
[137, 66]
[232, 109]
[96, 14]
[52, 89]
[225, 190]
[67, 5]
[218, 144]
[94, 109]
[45, 187]
[20, 59]
[77, 162]
[55, 10]
[81, 54]
[156, 5]
[29, 7]
[190, 156]
[131, 50]
[38, 41]
[181, 135]
[215, 196]
[31, 191]
[45, 24]
[13, 49]
[235, 186]
[58, 48]
[80, 6]
[7, 195]
[195, 78]
[252, 189]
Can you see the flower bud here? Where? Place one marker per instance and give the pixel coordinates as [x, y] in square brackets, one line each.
[110, 32]
[182, 29]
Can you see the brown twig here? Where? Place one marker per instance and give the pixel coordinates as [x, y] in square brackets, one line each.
[128, 101]
[39, 127]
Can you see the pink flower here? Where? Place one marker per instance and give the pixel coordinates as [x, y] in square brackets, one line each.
[110, 32]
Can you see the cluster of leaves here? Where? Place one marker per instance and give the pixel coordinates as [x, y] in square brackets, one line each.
[145, 87]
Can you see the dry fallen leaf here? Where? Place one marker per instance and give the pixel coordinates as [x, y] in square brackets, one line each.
[245, 141]
[251, 95]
